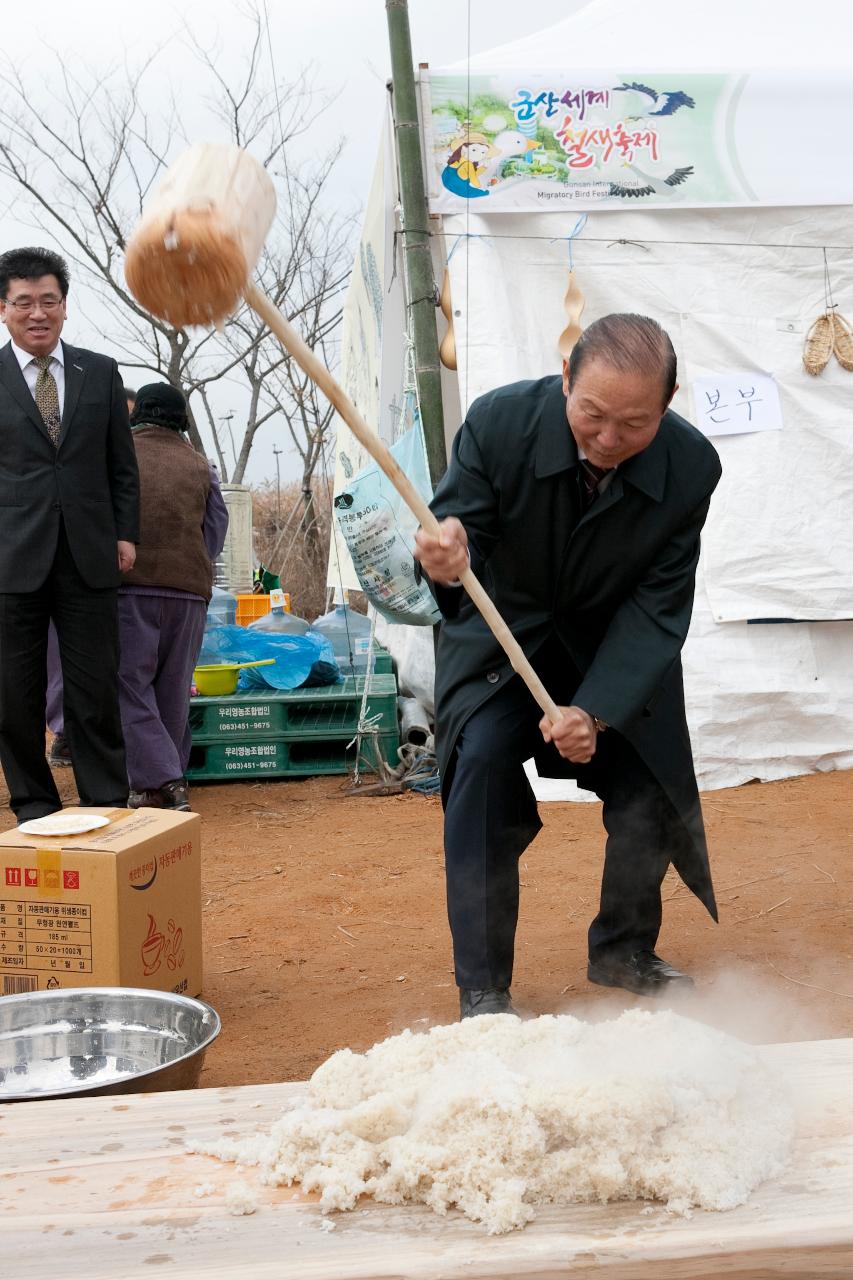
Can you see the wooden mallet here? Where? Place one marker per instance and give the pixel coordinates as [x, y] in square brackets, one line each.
[189, 262]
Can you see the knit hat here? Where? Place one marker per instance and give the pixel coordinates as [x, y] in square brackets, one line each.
[160, 405]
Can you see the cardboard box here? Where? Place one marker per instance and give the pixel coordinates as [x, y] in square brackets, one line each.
[118, 906]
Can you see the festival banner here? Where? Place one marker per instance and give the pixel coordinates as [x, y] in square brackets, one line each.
[556, 140]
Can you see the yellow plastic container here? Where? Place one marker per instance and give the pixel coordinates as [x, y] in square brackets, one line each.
[219, 678]
[251, 606]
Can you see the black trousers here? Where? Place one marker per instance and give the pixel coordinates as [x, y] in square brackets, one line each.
[491, 817]
[86, 622]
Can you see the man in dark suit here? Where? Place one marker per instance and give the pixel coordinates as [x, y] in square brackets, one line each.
[579, 502]
[69, 498]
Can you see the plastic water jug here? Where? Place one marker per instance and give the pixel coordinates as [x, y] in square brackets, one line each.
[349, 633]
[234, 564]
[281, 621]
[222, 610]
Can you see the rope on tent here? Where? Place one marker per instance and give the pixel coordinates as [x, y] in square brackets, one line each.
[368, 726]
[828, 300]
[643, 244]
[575, 231]
[842, 339]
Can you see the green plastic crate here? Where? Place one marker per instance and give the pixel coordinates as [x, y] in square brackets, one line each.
[298, 757]
[383, 663]
[326, 712]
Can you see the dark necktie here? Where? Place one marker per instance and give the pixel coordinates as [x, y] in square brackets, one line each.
[591, 478]
[47, 398]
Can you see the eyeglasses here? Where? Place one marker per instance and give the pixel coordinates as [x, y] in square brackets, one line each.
[25, 305]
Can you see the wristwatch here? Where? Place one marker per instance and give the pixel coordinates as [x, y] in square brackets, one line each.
[600, 725]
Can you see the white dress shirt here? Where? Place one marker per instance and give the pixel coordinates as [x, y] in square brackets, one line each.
[30, 370]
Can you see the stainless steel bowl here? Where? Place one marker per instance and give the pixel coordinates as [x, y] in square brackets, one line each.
[90, 1040]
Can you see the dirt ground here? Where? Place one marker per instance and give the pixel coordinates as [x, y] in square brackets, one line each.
[325, 924]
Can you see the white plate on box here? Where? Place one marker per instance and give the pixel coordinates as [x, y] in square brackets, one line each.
[64, 824]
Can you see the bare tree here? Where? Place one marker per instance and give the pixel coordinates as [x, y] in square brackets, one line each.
[83, 150]
[304, 273]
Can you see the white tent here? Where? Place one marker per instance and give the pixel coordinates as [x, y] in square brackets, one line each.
[737, 288]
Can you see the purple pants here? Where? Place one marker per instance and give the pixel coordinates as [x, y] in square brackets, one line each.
[160, 639]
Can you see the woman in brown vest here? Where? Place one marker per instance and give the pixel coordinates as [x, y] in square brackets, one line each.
[163, 601]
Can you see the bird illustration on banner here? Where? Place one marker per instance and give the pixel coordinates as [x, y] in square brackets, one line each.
[510, 144]
[654, 186]
[648, 102]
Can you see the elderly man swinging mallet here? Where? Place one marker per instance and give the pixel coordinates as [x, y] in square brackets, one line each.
[581, 499]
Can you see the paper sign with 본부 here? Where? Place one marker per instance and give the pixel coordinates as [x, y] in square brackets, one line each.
[729, 404]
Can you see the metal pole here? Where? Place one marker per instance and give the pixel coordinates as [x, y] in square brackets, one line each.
[277, 451]
[226, 418]
[416, 247]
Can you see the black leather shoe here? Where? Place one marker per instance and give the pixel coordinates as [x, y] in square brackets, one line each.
[59, 753]
[175, 795]
[145, 800]
[492, 1000]
[643, 973]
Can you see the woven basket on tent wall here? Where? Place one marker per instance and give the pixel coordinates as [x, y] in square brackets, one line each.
[842, 342]
[818, 345]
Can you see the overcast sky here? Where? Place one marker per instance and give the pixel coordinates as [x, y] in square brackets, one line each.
[344, 41]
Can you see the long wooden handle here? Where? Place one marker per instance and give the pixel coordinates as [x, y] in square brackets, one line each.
[318, 373]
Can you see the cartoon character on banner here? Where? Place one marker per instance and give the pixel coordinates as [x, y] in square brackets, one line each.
[510, 144]
[466, 165]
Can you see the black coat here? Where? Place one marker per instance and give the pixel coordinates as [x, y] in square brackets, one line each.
[615, 584]
[90, 481]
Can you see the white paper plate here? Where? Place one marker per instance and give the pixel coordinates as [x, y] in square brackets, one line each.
[64, 824]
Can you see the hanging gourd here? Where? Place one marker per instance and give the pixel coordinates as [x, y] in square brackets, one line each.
[447, 346]
[573, 303]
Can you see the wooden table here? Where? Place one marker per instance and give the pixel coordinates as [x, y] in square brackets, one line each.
[102, 1189]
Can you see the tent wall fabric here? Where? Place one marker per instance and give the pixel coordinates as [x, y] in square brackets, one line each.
[736, 290]
[373, 343]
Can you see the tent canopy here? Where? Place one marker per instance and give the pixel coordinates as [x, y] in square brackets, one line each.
[729, 35]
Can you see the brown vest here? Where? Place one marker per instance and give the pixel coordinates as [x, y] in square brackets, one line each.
[174, 482]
